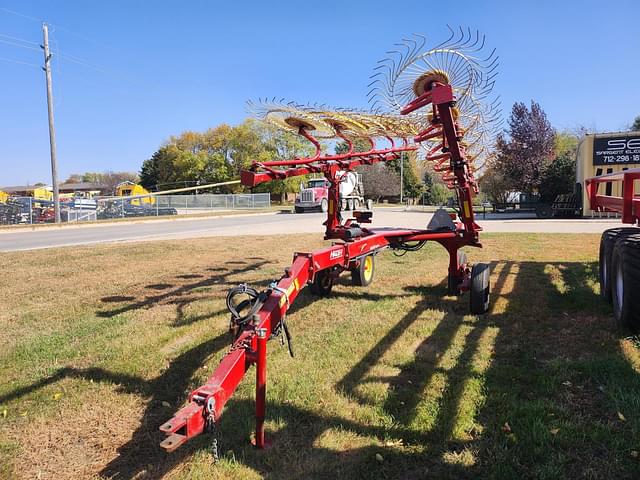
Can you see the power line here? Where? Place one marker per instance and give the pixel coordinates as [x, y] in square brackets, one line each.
[62, 55]
[19, 39]
[11, 60]
[65, 56]
[18, 14]
[59, 27]
[8, 42]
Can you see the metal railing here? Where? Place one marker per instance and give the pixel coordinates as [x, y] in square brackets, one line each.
[28, 210]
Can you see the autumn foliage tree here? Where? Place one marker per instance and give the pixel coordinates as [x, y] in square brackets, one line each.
[219, 154]
[527, 148]
[107, 179]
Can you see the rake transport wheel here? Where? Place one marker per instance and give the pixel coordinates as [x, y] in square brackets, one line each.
[362, 275]
[479, 289]
[607, 242]
[453, 283]
[324, 205]
[322, 283]
[625, 281]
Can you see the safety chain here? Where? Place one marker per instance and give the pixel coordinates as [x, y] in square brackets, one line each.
[210, 428]
[245, 344]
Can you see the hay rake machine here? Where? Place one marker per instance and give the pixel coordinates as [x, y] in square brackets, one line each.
[432, 100]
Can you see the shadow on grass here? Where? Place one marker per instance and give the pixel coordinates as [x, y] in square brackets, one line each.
[141, 453]
[553, 351]
[554, 326]
[182, 294]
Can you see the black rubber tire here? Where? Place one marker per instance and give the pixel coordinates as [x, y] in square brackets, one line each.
[362, 275]
[452, 282]
[299, 209]
[343, 205]
[607, 242]
[324, 205]
[625, 281]
[349, 203]
[356, 203]
[369, 204]
[480, 289]
[322, 283]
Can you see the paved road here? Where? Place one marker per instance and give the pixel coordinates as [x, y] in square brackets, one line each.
[259, 224]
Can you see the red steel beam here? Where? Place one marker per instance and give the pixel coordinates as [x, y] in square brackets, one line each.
[250, 347]
[253, 177]
[628, 205]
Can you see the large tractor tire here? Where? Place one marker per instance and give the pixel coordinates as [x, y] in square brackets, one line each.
[356, 203]
[480, 289]
[607, 242]
[362, 275]
[322, 283]
[625, 281]
[453, 283]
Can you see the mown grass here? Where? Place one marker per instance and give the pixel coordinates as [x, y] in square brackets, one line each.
[101, 344]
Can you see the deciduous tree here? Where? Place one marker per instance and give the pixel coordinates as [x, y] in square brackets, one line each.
[565, 144]
[526, 149]
[74, 178]
[413, 187]
[109, 179]
[435, 191]
[494, 184]
[379, 181]
[218, 155]
[558, 178]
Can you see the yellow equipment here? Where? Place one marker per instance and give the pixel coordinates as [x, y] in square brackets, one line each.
[130, 189]
[40, 193]
[4, 196]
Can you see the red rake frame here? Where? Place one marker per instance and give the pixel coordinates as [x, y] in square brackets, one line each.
[206, 403]
[628, 204]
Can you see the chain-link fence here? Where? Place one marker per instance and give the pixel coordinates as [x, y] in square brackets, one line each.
[28, 210]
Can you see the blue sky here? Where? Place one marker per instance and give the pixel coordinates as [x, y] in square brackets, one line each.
[137, 72]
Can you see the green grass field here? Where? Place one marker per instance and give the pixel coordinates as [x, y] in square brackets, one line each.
[101, 344]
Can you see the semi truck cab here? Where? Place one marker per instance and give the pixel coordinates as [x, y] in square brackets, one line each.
[315, 194]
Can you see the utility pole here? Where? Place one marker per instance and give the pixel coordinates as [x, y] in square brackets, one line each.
[52, 130]
[401, 176]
